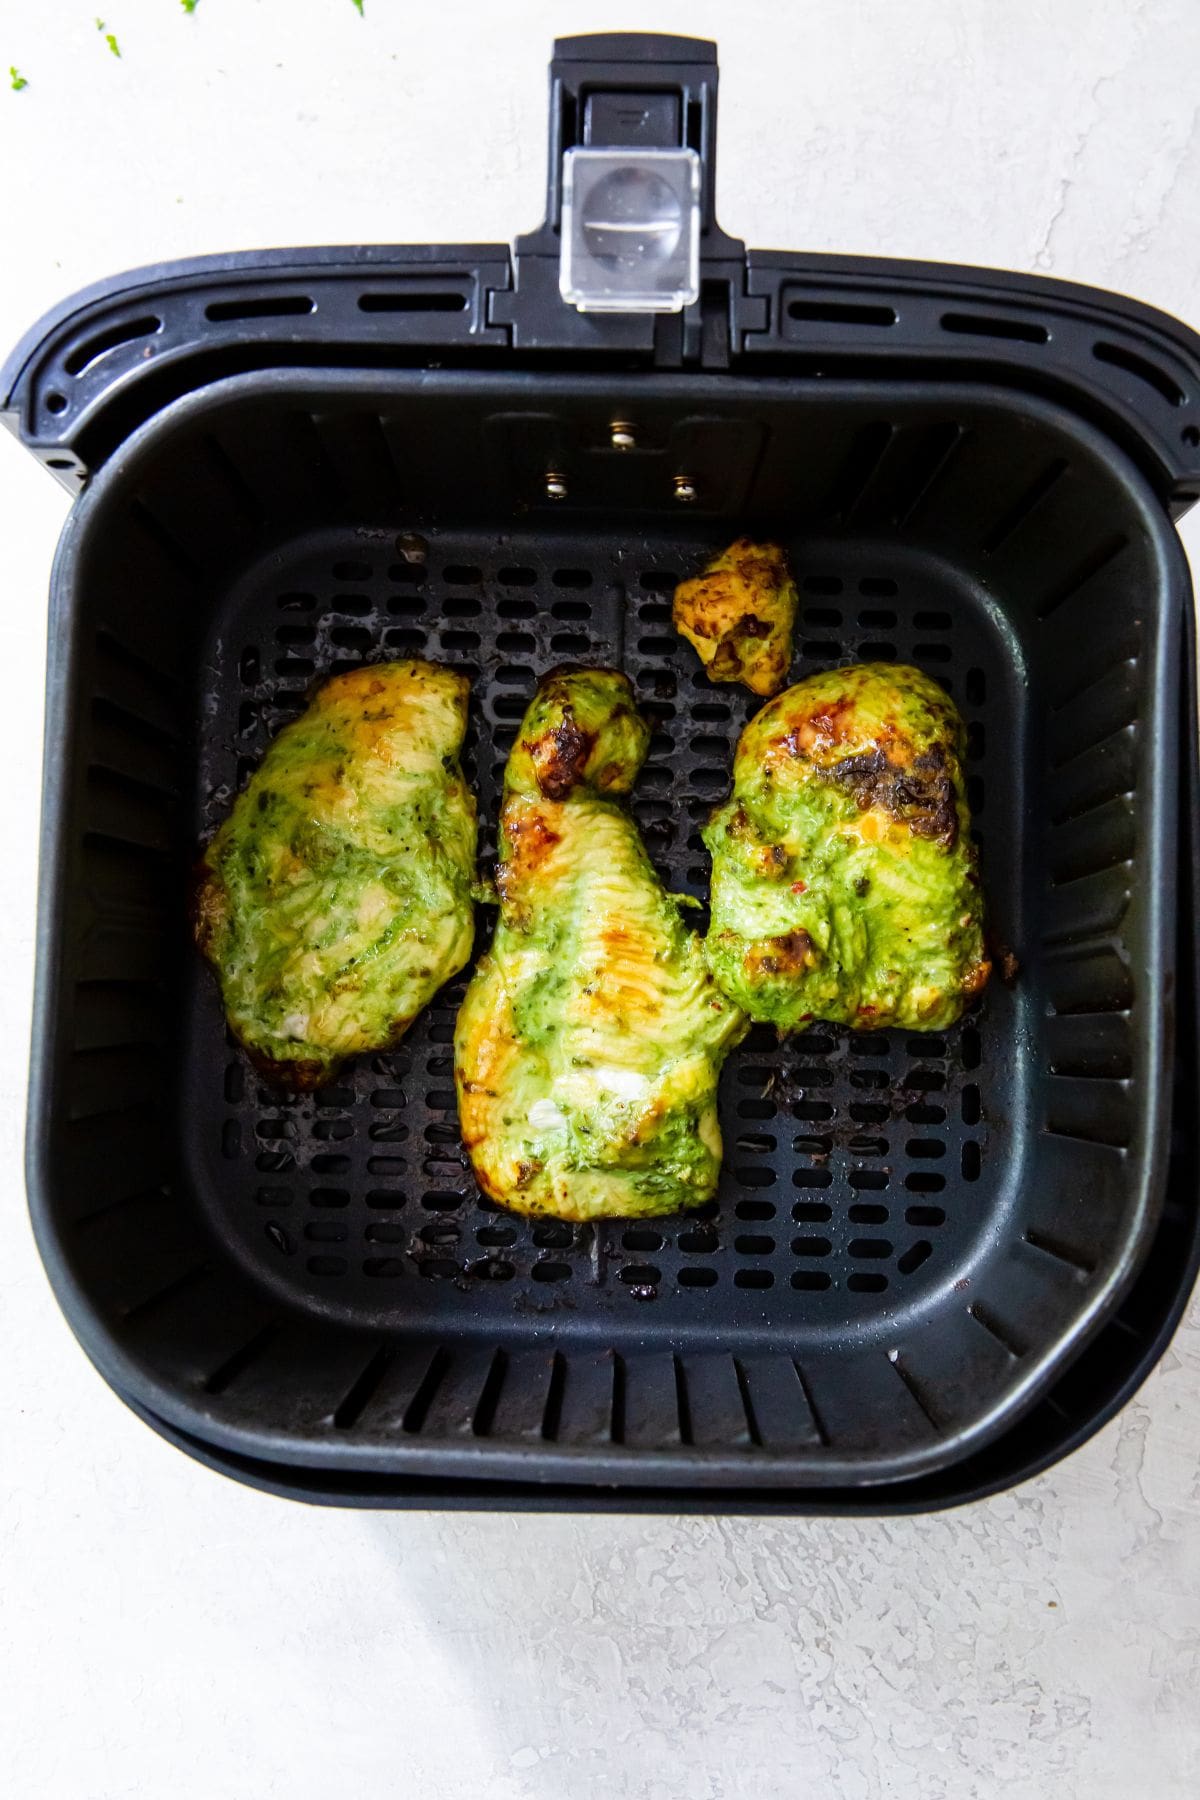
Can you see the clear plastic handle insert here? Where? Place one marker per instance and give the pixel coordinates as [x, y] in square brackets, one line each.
[630, 230]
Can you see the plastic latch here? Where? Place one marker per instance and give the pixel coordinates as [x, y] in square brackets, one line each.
[648, 121]
[630, 229]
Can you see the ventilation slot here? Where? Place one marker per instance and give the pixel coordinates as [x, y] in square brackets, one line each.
[360, 1395]
[1091, 566]
[1017, 514]
[834, 312]
[1064, 1253]
[865, 456]
[1117, 357]
[235, 1365]
[93, 348]
[269, 306]
[928, 461]
[1006, 1338]
[1021, 331]
[441, 302]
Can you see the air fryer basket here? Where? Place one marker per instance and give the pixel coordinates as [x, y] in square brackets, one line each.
[915, 1235]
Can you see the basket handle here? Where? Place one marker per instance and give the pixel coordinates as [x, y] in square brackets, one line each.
[643, 108]
[635, 90]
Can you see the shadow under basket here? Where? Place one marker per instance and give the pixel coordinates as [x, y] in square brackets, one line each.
[914, 1234]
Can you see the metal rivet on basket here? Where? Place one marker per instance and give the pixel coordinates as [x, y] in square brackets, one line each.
[556, 485]
[623, 435]
[685, 489]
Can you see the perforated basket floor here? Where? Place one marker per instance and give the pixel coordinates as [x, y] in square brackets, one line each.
[860, 1170]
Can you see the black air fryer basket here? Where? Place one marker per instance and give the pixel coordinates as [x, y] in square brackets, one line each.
[935, 1262]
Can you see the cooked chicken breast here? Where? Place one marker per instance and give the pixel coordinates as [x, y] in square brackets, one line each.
[844, 879]
[336, 898]
[592, 1035]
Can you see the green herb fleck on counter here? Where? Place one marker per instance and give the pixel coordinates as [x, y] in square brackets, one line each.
[109, 38]
[17, 80]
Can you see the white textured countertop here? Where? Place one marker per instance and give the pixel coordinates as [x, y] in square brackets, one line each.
[164, 1632]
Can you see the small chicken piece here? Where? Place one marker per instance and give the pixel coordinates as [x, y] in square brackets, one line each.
[844, 879]
[336, 898]
[592, 1035]
[738, 616]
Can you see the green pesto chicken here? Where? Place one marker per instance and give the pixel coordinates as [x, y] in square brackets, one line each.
[336, 898]
[844, 879]
[592, 1035]
[738, 613]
